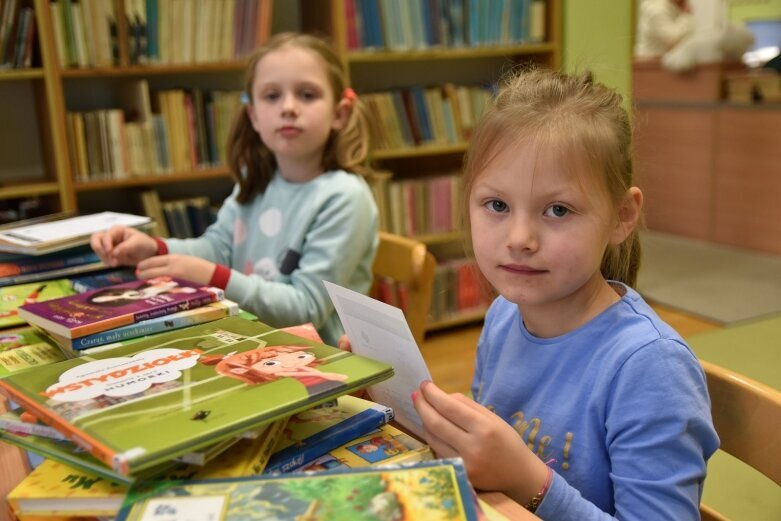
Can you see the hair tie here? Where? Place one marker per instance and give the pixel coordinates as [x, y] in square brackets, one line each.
[349, 94]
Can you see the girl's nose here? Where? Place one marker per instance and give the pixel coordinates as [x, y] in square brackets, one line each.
[289, 106]
[523, 236]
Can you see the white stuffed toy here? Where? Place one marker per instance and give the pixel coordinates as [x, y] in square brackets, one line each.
[685, 33]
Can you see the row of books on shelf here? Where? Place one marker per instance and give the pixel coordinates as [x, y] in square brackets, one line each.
[85, 32]
[180, 218]
[164, 32]
[423, 206]
[17, 35]
[423, 24]
[459, 289]
[188, 130]
[418, 115]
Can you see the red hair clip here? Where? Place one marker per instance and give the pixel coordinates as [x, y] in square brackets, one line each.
[349, 94]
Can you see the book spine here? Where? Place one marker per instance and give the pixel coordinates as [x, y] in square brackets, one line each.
[148, 328]
[23, 427]
[177, 306]
[326, 440]
[101, 451]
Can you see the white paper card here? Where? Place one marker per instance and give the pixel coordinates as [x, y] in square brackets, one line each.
[380, 331]
[70, 228]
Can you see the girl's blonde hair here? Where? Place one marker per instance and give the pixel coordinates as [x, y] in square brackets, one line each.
[250, 160]
[549, 108]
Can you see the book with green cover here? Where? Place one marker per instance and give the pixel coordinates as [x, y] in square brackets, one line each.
[13, 297]
[23, 348]
[432, 490]
[136, 406]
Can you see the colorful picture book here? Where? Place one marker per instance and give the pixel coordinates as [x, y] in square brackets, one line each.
[67, 452]
[59, 232]
[432, 490]
[119, 305]
[16, 421]
[54, 488]
[19, 269]
[13, 297]
[312, 433]
[23, 348]
[178, 320]
[386, 445]
[101, 279]
[136, 406]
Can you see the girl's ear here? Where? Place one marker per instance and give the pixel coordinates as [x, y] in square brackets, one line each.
[343, 110]
[629, 212]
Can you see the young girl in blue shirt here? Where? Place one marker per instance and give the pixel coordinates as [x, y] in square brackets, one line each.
[587, 405]
[298, 214]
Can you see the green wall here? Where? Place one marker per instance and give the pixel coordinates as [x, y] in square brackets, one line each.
[598, 36]
[744, 10]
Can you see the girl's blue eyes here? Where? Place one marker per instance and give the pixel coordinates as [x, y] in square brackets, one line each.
[497, 206]
[303, 95]
[556, 210]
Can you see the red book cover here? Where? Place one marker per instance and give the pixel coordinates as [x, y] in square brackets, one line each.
[118, 305]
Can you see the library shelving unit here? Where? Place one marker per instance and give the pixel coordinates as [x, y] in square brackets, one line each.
[83, 63]
[404, 63]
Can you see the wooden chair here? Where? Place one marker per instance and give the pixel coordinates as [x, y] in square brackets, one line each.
[407, 262]
[747, 417]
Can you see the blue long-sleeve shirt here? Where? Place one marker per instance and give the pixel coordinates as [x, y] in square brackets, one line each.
[282, 246]
[620, 404]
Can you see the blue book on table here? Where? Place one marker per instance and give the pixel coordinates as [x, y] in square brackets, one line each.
[312, 433]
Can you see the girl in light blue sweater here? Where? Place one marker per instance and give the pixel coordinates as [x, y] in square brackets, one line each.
[299, 214]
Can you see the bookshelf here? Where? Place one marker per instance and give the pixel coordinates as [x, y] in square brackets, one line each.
[83, 55]
[422, 59]
[41, 160]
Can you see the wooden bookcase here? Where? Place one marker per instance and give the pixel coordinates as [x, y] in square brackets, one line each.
[45, 94]
[379, 70]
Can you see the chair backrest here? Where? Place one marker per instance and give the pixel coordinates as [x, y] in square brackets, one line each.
[409, 263]
[747, 417]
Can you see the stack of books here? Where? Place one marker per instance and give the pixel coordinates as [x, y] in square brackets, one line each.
[213, 400]
[125, 312]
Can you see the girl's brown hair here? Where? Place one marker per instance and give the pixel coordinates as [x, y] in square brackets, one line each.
[252, 164]
[543, 107]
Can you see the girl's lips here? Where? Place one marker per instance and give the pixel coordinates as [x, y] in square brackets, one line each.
[520, 269]
[289, 131]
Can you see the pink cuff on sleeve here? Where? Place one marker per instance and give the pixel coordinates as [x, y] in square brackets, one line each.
[220, 277]
[162, 247]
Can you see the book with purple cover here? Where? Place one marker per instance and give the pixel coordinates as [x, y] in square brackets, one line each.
[114, 306]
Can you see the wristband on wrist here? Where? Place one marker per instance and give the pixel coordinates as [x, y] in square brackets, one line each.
[535, 501]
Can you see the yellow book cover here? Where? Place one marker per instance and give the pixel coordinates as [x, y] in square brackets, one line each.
[56, 489]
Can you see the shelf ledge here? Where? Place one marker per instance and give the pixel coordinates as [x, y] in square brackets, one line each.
[107, 184]
[448, 54]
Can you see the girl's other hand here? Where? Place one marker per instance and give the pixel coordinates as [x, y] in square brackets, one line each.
[495, 456]
[344, 344]
[121, 245]
[185, 267]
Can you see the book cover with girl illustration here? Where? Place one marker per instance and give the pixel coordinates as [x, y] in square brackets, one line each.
[138, 405]
[114, 306]
[432, 490]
